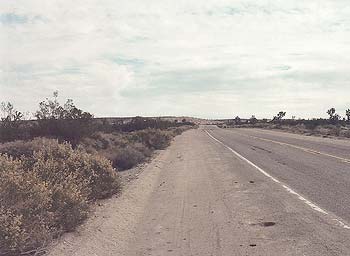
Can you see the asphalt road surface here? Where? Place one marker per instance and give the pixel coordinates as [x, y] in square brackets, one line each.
[317, 168]
[229, 192]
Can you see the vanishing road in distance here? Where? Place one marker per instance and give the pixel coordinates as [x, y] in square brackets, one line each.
[231, 192]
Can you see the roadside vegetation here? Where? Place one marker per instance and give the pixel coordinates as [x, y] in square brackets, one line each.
[335, 125]
[54, 167]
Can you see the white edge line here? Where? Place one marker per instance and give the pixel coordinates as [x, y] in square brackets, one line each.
[288, 189]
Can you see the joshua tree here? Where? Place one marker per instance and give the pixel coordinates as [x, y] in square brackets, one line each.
[347, 113]
[279, 116]
[333, 117]
[253, 120]
[237, 120]
[331, 113]
[9, 113]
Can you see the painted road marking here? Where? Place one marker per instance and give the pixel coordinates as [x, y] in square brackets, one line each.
[288, 189]
[315, 152]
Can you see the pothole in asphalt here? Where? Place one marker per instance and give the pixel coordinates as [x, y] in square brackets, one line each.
[252, 245]
[251, 181]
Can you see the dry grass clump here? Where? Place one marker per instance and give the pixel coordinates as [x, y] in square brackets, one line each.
[47, 193]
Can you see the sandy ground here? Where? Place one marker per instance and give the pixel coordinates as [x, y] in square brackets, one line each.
[197, 198]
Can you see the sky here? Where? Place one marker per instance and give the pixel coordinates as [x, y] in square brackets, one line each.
[210, 59]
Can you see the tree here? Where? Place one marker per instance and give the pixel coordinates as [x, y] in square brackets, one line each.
[65, 122]
[331, 113]
[253, 120]
[237, 120]
[347, 113]
[9, 113]
[279, 116]
[333, 116]
[51, 109]
[11, 120]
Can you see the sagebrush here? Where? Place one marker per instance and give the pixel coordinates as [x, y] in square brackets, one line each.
[48, 192]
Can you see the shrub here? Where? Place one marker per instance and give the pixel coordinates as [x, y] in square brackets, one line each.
[48, 192]
[20, 148]
[118, 148]
[126, 158]
[347, 134]
[55, 162]
[156, 139]
[25, 203]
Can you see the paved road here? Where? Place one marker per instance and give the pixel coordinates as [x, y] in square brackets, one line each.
[317, 168]
[226, 193]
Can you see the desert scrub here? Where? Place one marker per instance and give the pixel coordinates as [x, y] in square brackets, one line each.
[155, 139]
[25, 202]
[48, 193]
[127, 149]
[20, 148]
[118, 148]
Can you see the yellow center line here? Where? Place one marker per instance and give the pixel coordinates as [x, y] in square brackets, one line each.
[345, 160]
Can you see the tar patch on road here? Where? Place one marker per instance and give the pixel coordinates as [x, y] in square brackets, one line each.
[264, 224]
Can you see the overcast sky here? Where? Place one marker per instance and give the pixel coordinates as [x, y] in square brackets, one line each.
[212, 58]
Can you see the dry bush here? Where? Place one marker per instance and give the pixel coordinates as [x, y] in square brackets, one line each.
[55, 162]
[48, 193]
[155, 139]
[25, 203]
[125, 158]
[126, 150]
[118, 148]
[20, 148]
[345, 133]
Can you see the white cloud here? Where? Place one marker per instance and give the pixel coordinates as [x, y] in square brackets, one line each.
[212, 58]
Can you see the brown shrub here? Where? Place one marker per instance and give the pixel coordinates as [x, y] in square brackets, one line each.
[56, 162]
[118, 148]
[48, 193]
[345, 133]
[156, 139]
[20, 148]
[125, 158]
[25, 203]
